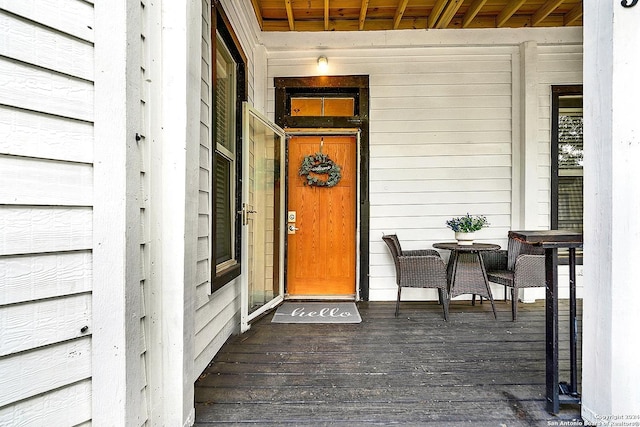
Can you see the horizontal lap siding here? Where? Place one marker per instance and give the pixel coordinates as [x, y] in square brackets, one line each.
[443, 148]
[204, 337]
[203, 267]
[51, 409]
[46, 155]
[440, 141]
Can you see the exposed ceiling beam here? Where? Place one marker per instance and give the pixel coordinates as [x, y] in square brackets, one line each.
[292, 24]
[402, 5]
[326, 15]
[363, 14]
[573, 15]
[544, 11]
[435, 13]
[472, 12]
[509, 10]
[256, 9]
[449, 13]
[372, 15]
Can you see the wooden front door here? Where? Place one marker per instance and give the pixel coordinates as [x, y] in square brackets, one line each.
[321, 251]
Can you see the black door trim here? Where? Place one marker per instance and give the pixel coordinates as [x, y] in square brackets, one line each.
[358, 87]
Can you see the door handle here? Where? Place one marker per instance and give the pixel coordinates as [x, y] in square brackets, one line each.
[245, 213]
[292, 229]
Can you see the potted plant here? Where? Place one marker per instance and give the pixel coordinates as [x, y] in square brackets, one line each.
[466, 226]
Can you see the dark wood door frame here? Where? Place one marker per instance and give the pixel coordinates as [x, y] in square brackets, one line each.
[358, 87]
[557, 91]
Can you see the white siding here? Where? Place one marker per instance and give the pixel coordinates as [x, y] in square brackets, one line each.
[203, 284]
[444, 126]
[205, 240]
[440, 143]
[46, 198]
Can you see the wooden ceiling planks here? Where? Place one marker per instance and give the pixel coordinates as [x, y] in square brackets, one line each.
[372, 15]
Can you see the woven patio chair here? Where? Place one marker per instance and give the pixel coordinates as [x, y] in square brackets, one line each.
[423, 268]
[520, 266]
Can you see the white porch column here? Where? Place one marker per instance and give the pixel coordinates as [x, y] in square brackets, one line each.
[174, 38]
[117, 373]
[528, 155]
[610, 371]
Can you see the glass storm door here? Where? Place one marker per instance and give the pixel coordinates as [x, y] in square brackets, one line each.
[262, 216]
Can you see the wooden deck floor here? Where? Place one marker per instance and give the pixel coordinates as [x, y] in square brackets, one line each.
[414, 370]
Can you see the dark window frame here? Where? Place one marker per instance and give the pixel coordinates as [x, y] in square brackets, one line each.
[220, 24]
[556, 92]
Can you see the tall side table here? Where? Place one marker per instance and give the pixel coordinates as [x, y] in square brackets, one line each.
[551, 240]
[466, 271]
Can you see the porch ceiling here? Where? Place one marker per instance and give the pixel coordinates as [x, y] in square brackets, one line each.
[371, 15]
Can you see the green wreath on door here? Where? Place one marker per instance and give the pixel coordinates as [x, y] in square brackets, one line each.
[319, 164]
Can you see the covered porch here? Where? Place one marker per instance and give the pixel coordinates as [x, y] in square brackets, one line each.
[416, 369]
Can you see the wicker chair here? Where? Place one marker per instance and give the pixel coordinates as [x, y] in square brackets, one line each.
[422, 268]
[520, 266]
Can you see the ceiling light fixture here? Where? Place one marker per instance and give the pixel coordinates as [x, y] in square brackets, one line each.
[323, 64]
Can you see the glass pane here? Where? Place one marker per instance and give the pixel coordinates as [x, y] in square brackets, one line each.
[223, 217]
[569, 179]
[265, 197]
[322, 106]
[225, 97]
[306, 106]
[570, 163]
[338, 107]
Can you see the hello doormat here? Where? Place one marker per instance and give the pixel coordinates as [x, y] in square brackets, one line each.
[317, 312]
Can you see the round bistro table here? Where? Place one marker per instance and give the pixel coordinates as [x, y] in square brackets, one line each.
[466, 271]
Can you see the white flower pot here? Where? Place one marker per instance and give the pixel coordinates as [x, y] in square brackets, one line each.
[465, 239]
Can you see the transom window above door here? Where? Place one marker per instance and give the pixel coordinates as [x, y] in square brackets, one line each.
[321, 106]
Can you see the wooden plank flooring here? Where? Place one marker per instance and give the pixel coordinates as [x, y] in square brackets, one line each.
[415, 370]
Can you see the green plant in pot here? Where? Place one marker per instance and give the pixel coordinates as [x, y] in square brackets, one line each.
[465, 227]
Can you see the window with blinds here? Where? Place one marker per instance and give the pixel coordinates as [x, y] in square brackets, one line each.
[570, 173]
[225, 99]
[229, 91]
[224, 173]
[223, 209]
[567, 180]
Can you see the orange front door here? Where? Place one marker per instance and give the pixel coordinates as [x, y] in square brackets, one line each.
[321, 255]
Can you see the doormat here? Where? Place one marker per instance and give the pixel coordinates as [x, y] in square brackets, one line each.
[317, 312]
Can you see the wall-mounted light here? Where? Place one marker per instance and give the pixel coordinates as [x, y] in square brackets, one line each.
[323, 64]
